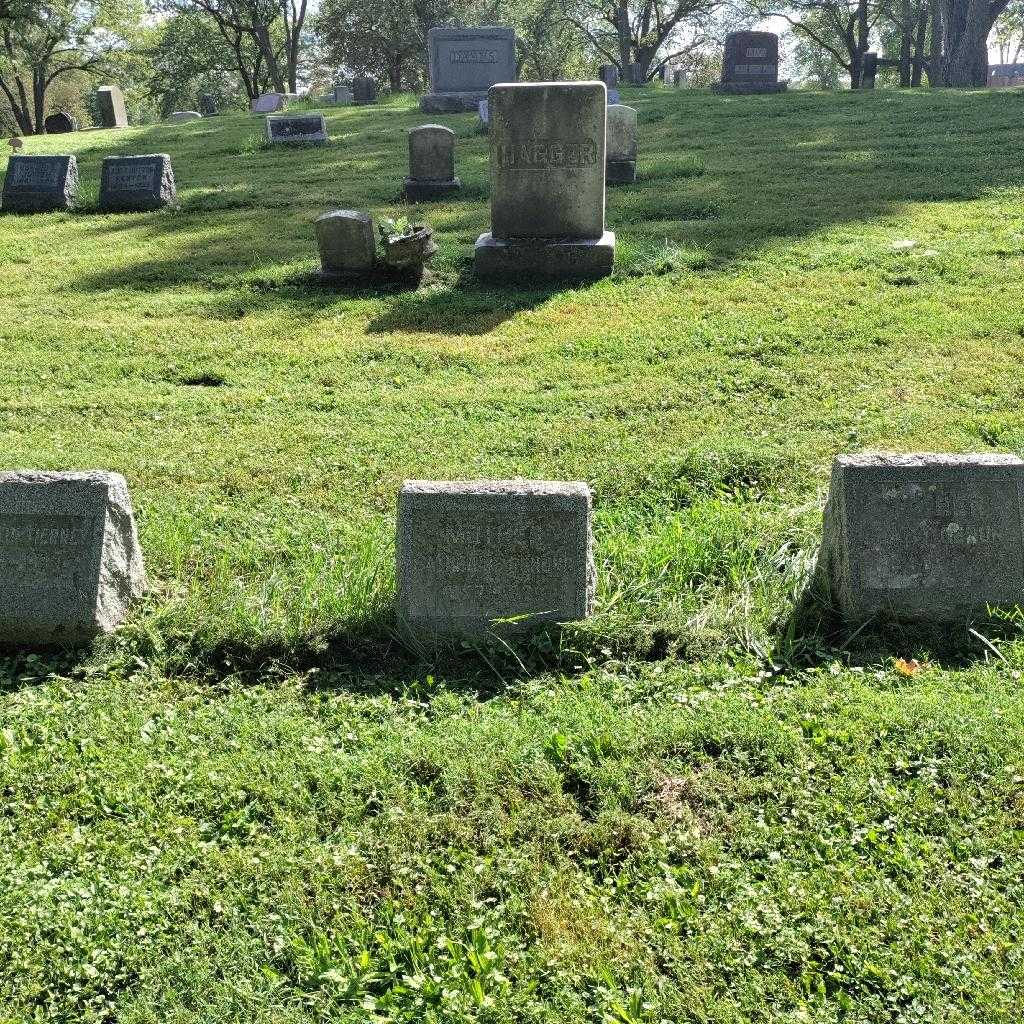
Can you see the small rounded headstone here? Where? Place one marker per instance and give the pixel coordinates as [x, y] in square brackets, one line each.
[185, 115]
[347, 244]
[60, 124]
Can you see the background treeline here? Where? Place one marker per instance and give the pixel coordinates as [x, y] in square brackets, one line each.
[168, 53]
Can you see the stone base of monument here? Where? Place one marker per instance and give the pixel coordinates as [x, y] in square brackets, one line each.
[565, 259]
[746, 88]
[620, 172]
[451, 102]
[418, 190]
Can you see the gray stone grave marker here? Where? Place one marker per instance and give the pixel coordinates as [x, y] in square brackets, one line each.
[136, 183]
[348, 247]
[364, 91]
[342, 95]
[310, 129]
[464, 64]
[750, 64]
[60, 124]
[181, 116]
[35, 184]
[622, 145]
[70, 563]
[547, 144]
[431, 163]
[470, 553]
[112, 109]
[609, 74]
[268, 103]
[926, 538]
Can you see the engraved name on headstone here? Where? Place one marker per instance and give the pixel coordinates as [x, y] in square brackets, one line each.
[471, 553]
[70, 563]
[924, 537]
[35, 184]
[310, 129]
[465, 63]
[136, 183]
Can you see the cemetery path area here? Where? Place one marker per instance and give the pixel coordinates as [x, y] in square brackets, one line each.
[256, 803]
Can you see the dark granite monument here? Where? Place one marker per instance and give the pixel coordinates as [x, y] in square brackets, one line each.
[136, 183]
[60, 124]
[364, 91]
[464, 64]
[36, 184]
[750, 64]
[308, 129]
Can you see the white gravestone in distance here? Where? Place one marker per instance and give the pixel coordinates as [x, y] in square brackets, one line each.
[181, 116]
[470, 553]
[269, 103]
[35, 184]
[547, 144]
[136, 183]
[926, 538]
[70, 563]
[310, 129]
[464, 64]
[622, 145]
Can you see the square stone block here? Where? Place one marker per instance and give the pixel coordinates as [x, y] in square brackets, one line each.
[34, 184]
[308, 129]
[620, 172]
[547, 142]
[136, 183]
[924, 537]
[70, 562]
[559, 259]
[471, 553]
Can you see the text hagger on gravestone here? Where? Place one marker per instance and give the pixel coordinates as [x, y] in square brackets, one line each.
[473, 553]
[924, 537]
[465, 63]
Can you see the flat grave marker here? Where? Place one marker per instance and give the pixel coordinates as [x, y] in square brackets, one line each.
[308, 129]
[136, 183]
[37, 184]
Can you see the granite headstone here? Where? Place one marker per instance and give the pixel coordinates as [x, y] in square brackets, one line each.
[112, 108]
[481, 556]
[60, 124]
[750, 64]
[464, 64]
[622, 145]
[70, 562]
[348, 247]
[364, 91]
[431, 163]
[136, 183]
[35, 184]
[181, 116]
[268, 103]
[308, 129]
[609, 74]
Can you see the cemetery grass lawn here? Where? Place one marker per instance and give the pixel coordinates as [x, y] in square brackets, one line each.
[257, 803]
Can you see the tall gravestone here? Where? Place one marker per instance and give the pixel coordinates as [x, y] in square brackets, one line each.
[343, 95]
[869, 70]
[464, 64]
[750, 64]
[926, 538]
[306, 129]
[364, 91]
[431, 163]
[60, 124]
[111, 104]
[136, 183]
[35, 184]
[70, 563]
[478, 556]
[547, 144]
[622, 145]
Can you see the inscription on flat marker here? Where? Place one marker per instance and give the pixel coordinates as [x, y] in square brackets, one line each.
[476, 552]
[136, 183]
[924, 537]
[35, 184]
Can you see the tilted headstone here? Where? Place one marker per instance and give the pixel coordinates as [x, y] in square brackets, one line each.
[35, 184]
[268, 103]
[364, 91]
[180, 116]
[869, 70]
[310, 129]
[111, 104]
[348, 247]
[547, 146]
[70, 562]
[928, 538]
[60, 124]
[622, 145]
[609, 74]
[472, 553]
[431, 163]
[750, 64]
[136, 183]
[464, 64]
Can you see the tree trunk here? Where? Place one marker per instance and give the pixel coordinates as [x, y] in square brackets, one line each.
[261, 34]
[625, 43]
[919, 42]
[967, 24]
[395, 73]
[39, 99]
[935, 54]
[906, 28]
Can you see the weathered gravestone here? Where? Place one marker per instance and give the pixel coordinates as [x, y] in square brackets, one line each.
[431, 163]
[464, 64]
[208, 105]
[342, 95]
[268, 103]
[609, 74]
[35, 184]
[364, 91]
[60, 124]
[471, 553]
[622, 145]
[484, 113]
[112, 109]
[635, 74]
[678, 78]
[869, 70]
[928, 538]
[348, 248]
[750, 64]
[547, 144]
[70, 563]
[181, 116]
[310, 129]
[136, 183]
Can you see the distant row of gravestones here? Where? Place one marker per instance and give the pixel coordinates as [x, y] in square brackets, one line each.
[917, 538]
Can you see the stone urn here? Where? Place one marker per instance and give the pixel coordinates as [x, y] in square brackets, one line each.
[408, 253]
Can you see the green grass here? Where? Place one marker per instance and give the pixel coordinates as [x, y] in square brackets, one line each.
[255, 804]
